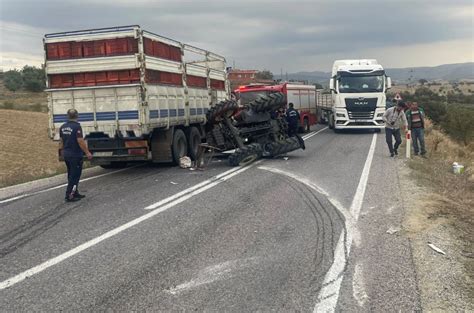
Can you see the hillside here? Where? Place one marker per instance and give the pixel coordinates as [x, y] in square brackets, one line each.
[450, 72]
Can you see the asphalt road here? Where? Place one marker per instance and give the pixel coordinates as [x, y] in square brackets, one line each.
[304, 234]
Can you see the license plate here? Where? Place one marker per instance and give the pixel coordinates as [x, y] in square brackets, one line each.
[103, 153]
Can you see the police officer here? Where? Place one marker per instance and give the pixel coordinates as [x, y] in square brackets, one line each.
[73, 147]
[292, 117]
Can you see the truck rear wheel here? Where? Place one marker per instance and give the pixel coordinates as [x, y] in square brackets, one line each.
[179, 146]
[194, 140]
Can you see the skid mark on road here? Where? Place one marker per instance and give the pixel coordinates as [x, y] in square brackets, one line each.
[214, 273]
[93, 242]
[18, 197]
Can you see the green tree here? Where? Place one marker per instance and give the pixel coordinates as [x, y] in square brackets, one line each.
[33, 78]
[458, 123]
[13, 80]
[265, 74]
[422, 81]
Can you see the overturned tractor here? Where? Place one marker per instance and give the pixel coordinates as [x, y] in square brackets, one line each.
[253, 130]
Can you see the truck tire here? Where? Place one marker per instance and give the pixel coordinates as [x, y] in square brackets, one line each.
[246, 155]
[331, 121]
[268, 103]
[179, 146]
[221, 109]
[306, 125]
[194, 140]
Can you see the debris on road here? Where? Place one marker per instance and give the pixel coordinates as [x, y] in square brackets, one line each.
[285, 158]
[185, 162]
[393, 230]
[173, 183]
[435, 248]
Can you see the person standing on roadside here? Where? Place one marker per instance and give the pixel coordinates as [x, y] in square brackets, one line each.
[394, 118]
[72, 147]
[292, 117]
[416, 123]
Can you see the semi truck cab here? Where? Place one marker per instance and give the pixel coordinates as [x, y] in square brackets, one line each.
[358, 90]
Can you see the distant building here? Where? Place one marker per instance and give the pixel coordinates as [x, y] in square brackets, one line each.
[245, 77]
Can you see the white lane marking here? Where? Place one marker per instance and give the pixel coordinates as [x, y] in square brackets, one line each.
[190, 189]
[51, 262]
[63, 185]
[102, 175]
[213, 273]
[315, 133]
[329, 294]
[158, 209]
[159, 203]
[358, 286]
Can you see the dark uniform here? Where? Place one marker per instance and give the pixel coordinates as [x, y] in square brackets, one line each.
[73, 155]
[292, 117]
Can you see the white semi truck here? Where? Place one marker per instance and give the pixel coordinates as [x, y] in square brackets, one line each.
[358, 97]
[140, 96]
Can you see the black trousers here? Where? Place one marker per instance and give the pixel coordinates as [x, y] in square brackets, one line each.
[74, 171]
[389, 133]
[292, 129]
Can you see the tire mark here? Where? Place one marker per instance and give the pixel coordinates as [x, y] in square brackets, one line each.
[23, 234]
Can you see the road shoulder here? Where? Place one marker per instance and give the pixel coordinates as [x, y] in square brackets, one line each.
[445, 281]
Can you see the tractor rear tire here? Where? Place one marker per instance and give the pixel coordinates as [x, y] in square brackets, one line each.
[246, 155]
[268, 103]
[224, 108]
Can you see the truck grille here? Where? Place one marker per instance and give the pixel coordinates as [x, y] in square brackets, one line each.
[361, 108]
[361, 115]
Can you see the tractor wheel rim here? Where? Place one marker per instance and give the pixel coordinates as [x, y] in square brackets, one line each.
[248, 159]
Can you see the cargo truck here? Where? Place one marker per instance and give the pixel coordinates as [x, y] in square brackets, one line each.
[358, 89]
[140, 96]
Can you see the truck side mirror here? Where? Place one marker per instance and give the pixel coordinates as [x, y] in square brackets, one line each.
[389, 83]
[332, 85]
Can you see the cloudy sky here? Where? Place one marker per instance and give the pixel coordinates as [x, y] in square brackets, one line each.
[293, 35]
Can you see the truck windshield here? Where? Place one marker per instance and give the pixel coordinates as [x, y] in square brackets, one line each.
[356, 84]
[247, 97]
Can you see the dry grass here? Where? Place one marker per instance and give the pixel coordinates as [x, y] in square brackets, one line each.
[454, 193]
[26, 152]
[450, 197]
[22, 100]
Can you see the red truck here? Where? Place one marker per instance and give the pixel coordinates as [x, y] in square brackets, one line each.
[302, 96]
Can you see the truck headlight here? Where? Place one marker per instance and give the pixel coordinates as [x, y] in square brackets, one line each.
[379, 114]
[340, 115]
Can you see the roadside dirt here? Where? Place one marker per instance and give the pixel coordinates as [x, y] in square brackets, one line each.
[439, 210]
[25, 149]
